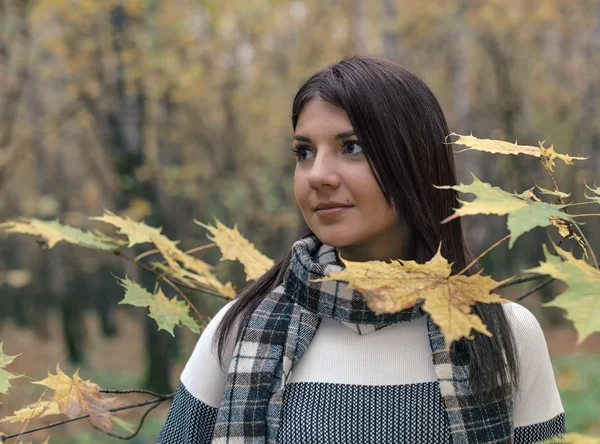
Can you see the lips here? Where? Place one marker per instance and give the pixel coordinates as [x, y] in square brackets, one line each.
[330, 205]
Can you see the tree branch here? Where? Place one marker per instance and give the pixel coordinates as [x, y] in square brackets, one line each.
[155, 401]
[536, 288]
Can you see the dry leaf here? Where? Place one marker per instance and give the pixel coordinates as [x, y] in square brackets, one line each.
[77, 397]
[556, 193]
[572, 438]
[596, 191]
[234, 246]
[40, 409]
[53, 232]
[565, 230]
[197, 272]
[392, 287]
[136, 232]
[500, 147]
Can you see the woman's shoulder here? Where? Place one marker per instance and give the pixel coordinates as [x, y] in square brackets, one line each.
[204, 375]
[523, 323]
[537, 401]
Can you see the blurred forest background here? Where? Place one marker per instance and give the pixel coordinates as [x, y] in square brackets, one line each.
[166, 111]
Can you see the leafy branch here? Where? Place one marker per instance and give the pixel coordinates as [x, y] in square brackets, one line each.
[154, 402]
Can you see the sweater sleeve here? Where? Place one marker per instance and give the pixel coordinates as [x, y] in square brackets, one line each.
[193, 412]
[538, 410]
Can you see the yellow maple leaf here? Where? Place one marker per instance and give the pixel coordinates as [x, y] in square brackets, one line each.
[191, 267]
[572, 438]
[234, 246]
[53, 232]
[75, 397]
[41, 410]
[581, 299]
[501, 147]
[136, 232]
[596, 191]
[392, 287]
[566, 231]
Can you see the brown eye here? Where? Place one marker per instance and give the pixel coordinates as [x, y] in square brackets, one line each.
[352, 147]
[302, 152]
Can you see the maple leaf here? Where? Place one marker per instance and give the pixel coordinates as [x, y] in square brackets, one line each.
[193, 279]
[41, 410]
[581, 299]
[53, 232]
[500, 147]
[556, 193]
[392, 287]
[525, 211]
[167, 313]
[572, 438]
[136, 232]
[6, 376]
[198, 271]
[75, 397]
[234, 246]
[596, 191]
[566, 231]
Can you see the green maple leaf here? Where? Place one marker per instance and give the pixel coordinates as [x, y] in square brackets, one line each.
[525, 211]
[581, 299]
[6, 376]
[167, 313]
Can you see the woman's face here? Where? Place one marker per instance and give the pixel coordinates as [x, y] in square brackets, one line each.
[331, 170]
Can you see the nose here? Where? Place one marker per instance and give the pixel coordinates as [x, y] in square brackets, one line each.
[324, 171]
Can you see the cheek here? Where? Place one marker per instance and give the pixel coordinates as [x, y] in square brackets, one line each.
[299, 191]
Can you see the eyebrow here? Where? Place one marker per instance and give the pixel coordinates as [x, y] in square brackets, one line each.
[340, 136]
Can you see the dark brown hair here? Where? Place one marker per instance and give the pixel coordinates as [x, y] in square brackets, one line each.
[402, 128]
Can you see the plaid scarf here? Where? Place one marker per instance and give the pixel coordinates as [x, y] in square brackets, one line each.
[280, 330]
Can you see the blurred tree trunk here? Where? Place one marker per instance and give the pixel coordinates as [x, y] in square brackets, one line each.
[390, 36]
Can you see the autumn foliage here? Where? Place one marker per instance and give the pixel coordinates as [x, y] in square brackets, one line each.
[387, 286]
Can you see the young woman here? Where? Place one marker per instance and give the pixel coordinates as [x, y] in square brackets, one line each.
[294, 361]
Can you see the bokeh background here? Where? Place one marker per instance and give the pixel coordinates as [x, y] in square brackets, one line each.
[169, 111]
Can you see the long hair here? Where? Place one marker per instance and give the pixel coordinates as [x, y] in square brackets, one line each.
[402, 128]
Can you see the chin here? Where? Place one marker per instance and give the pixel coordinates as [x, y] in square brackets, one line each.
[335, 237]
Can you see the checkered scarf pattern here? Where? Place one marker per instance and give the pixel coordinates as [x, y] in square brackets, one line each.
[280, 330]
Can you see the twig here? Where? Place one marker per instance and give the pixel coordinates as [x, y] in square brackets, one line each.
[156, 250]
[179, 284]
[587, 244]
[168, 281]
[580, 203]
[483, 254]
[131, 391]
[519, 280]
[145, 253]
[29, 419]
[134, 434]
[200, 248]
[582, 215]
[533, 290]
[158, 400]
